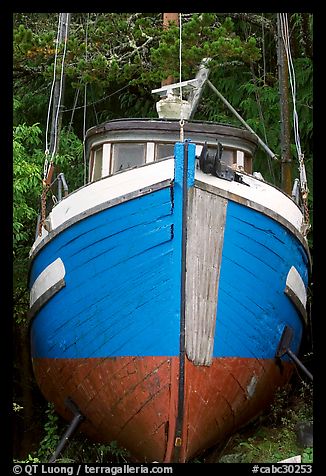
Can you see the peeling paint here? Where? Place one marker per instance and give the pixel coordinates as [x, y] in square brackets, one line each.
[252, 386]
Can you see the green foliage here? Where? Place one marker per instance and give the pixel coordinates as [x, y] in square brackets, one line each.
[29, 160]
[122, 48]
[28, 163]
[82, 450]
[116, 451]
[27, 180]
[78, 450]
[30, 459]
[307, 456]
[69, 160]
[51, 438]
[202, 36]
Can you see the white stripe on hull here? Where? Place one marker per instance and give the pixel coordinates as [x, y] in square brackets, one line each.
[296, 291]
[49, 277]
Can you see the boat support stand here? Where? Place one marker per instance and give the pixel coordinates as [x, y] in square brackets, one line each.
[78, 418]
[284, 348]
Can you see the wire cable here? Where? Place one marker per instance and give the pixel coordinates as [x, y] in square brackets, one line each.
[284, 27]
[60, 88]
[52, 86]
[85, 102]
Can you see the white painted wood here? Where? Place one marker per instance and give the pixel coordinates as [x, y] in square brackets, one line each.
[199, 148]
[240, 159]
[97, 157]
[106, 160]
[150, 152]
[106, 189]
[205, 234]
[293, 459]
[297, 286]
[50, 276]
[260, 193]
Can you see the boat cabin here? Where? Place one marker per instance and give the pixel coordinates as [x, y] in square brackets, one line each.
[127, 143]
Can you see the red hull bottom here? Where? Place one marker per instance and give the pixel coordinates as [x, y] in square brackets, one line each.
[133, 400]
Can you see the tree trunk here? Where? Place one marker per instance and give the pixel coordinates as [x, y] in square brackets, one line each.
[167, 19]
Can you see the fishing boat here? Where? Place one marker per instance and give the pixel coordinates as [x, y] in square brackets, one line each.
[163, 290]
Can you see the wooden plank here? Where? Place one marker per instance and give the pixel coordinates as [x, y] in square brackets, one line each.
[206, 221]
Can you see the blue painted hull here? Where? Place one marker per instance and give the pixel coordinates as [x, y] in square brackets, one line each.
[122, 285]
[121, 294]
[253, 308]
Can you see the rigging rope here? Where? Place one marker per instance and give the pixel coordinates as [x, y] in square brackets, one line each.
[73, 109]
[48, 167]
[257, 96]
[180, 55]
[302, 171]
[60, 90]
[100, 100]
[52, 86]
[46, 162]
[180, 79]
[85, 102]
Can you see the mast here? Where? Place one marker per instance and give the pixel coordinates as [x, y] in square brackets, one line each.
[58, 91]
[283, 75]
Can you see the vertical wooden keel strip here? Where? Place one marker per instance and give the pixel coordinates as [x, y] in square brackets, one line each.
[183, 180]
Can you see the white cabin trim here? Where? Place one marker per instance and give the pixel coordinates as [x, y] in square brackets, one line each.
[106, 159]
[150, 152]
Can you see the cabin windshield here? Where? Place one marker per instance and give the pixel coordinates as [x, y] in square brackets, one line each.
[123, 144]
[110, 158]
[164, 150]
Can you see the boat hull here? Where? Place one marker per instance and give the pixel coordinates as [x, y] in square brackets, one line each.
[134, 400]
[165, 376]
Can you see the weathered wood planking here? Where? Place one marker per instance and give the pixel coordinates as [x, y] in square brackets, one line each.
[206, 220]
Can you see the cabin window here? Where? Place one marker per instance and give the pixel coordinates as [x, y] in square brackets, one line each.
[248, 163]
[127, 155]
[164, 150]
[228, 157]
[97, 163]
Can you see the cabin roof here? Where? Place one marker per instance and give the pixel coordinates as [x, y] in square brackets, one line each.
[172, 125]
